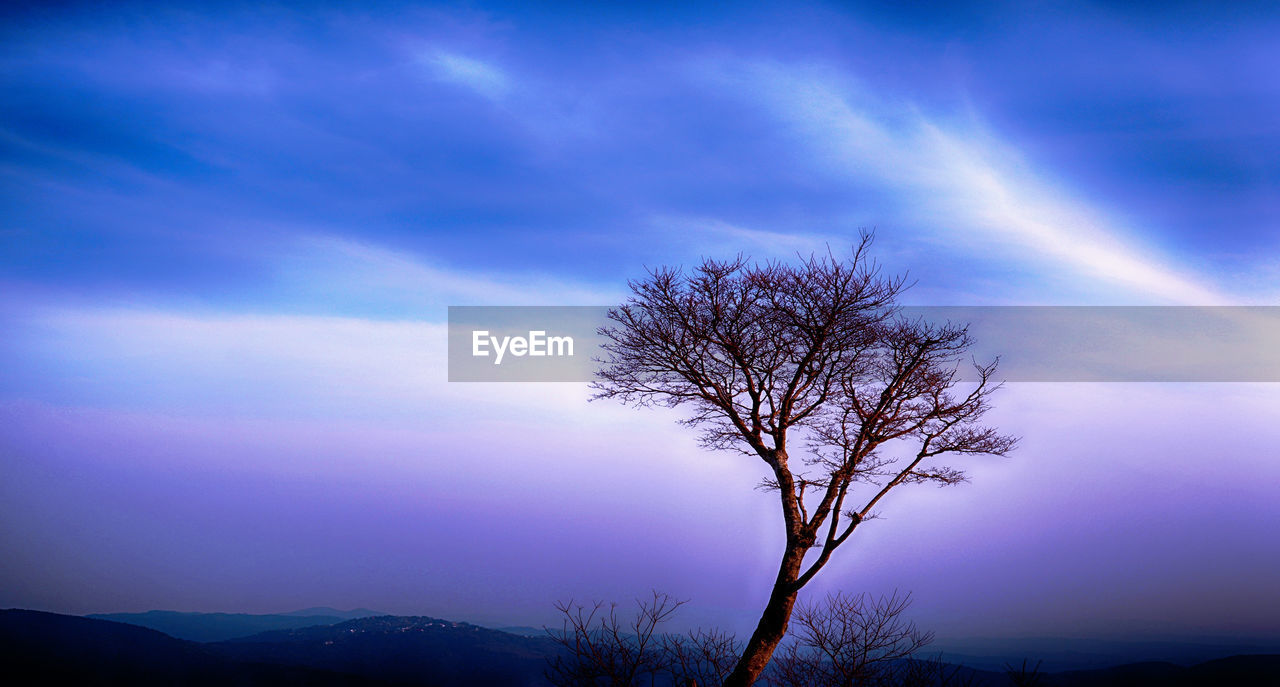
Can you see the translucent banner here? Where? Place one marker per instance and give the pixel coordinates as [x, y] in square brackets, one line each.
[1034, 343]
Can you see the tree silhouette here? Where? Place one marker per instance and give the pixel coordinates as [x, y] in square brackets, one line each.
[848, 641]
[601, 649]
[840, 641]
[1024, 675]
[811, 369]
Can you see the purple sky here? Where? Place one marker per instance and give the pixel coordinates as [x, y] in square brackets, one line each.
[229, 241]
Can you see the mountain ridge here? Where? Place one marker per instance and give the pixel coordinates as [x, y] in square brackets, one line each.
[214, 627]
[391, 651]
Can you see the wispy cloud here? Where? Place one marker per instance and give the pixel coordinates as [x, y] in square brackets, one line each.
[992, 199]
[330, 269]
[477, 75]
[709, 235]
[348, 328]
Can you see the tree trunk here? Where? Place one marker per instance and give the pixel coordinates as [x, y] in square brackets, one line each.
[773, 622]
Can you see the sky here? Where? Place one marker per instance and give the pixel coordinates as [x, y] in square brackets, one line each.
[230, 235]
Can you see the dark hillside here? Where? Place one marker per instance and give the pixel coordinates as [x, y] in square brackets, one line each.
[52, 649]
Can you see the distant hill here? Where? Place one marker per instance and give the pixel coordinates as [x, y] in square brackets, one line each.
[328, 612]
[523, 630]
[216, 627]
[390, 651]
[1064, 654]
[416, 649]
[52, 649]
[1235, 671]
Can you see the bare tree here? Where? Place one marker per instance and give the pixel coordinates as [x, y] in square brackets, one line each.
[933, 672]
[1024, 675]
[811, 359]
[701, 657]
[850, 641]
[842, 641]
[601, 649]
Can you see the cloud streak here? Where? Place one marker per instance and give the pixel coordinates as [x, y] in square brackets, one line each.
[326, 269]
[992, 198]
[477, 75]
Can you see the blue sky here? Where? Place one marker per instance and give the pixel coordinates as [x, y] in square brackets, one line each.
[229, 238]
